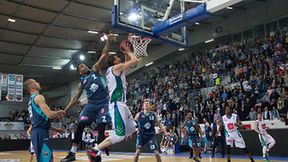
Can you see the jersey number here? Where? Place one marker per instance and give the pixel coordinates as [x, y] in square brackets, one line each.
[104, 119]
[152, 147]
[151, 118]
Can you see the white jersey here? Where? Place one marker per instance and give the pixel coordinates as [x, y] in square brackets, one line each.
[230, 124]
[116, 86]
[261, 126]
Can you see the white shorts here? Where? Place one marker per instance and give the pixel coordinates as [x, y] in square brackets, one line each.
[122, 119]
[235, 137]
[265, 139]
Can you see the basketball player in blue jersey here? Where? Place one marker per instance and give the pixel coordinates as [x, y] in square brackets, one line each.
[94, 83]
[146, 120]
[40, 115]
[192, 131]
[122, 120]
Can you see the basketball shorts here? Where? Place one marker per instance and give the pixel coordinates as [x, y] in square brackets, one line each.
[193, 141]
[95, 113]
[235, 137]
[265, 139]
[122, 119]
[41, 143]
[149, 140]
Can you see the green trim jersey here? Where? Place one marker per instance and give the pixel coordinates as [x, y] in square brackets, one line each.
[230, 124]
[261, 126]
[116, 86]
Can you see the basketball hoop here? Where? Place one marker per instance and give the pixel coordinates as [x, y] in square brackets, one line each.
[139, 44]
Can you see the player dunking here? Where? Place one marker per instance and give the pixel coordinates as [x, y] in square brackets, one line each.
[94, 83]
[40, 115]
[231, 123]
[146, 131]
[192, 131]
[122, 120]
[267, 141]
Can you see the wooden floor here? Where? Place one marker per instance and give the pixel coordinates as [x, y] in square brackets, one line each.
[24, 156]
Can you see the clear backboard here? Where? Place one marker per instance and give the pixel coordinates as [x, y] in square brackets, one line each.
[163, 19]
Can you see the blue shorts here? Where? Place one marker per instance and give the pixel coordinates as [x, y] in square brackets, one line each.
[95, 113]
[41, 144]
[193, 141]
[144, 139]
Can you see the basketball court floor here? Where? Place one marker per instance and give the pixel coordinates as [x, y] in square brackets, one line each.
[24, 156]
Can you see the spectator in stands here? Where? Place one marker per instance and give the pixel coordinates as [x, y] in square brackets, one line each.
[267, 115]
[252, 114]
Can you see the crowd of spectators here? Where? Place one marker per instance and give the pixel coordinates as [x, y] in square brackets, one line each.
[244, 76]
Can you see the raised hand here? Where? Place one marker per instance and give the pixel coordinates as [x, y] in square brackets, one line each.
[126, 48]
[111, 37]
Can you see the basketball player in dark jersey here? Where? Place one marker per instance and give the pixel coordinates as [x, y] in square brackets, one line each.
[193, 130]
[146, 120]
[40, 115]
[94, 83]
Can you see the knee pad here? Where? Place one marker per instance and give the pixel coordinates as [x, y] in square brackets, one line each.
[78, 133]
[116, 139]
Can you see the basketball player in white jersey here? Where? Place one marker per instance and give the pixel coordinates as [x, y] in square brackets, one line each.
[266, 140]
[122, 119]
[231, 123]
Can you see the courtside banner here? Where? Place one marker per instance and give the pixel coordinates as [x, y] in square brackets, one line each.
[11, 87]
[0, 86]
[19, 88]
[4, 86]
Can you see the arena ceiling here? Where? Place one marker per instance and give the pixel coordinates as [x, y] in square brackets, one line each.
[48, 34]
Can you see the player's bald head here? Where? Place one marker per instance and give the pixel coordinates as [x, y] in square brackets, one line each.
[31, 84]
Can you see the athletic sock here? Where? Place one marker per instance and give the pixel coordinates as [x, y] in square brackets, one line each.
[73, 149]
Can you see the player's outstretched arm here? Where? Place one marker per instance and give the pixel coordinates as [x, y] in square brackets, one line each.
[137, 117]
[40, 101]
[105, 53]
[125, 66]
[159, 124]
[74, 100]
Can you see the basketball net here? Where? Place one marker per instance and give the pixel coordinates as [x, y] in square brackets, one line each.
[139, 45]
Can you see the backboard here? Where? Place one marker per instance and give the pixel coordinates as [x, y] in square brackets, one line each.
[163, 19]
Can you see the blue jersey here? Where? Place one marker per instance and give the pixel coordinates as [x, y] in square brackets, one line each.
[95, 87]
[146, 123]
[37, 117]
[191, 128]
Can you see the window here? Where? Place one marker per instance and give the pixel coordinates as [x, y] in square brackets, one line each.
[271, 27]
[259, 31]
[237, 37]
[283, 22]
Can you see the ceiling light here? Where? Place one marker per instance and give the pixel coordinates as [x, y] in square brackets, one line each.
[133, 16]
[57, 68]
[197, 23]
[112, 53]
[91, 51]
[104, 37]
[92, 32]
[149, 64]
[72, 67]
[229, 8]
[81, 57]
[11, 20]
[181, 49]
[210, 40]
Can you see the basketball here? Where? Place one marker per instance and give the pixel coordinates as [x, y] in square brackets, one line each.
[125, 42]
